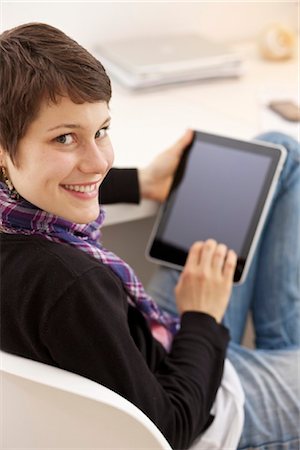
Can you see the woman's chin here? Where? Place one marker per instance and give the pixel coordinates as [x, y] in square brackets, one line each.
[86, 219]
[82, 217]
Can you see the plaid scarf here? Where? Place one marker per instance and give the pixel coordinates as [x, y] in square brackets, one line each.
[21, 217]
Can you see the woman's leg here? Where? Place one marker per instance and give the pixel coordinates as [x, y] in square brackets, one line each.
[276, 298]
[270, 379]
[270, 375]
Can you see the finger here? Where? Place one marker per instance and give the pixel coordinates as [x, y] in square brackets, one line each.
[230, 265]
[193, 257]
[184, 141]
[219, 257]
[208, 250]
[188, 136]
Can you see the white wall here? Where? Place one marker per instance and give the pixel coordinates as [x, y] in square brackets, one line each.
[92, 22]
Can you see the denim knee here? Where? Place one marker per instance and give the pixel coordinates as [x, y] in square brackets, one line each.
[276, 137]
[292, 163]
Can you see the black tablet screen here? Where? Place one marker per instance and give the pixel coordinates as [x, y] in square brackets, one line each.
[217, 198]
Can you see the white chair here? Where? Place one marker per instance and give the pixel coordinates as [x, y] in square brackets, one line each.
[46, 407]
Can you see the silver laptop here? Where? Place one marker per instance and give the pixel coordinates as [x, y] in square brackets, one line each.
[150, 61]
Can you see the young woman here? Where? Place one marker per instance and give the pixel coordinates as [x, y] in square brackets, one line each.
[68, 302]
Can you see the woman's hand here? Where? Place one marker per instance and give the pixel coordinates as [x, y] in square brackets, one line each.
[155, 180]
[206, 281]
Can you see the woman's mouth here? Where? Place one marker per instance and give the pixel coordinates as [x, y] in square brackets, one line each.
[81, 187]
[83, 191]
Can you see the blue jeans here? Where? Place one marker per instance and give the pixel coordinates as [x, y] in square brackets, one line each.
[270, 373]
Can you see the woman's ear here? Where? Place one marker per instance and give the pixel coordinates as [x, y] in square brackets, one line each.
[2, 157]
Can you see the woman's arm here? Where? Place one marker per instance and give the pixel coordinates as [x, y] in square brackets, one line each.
[120, 186]
[90, 333]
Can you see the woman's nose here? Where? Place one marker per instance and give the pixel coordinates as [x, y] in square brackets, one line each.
[94, 160]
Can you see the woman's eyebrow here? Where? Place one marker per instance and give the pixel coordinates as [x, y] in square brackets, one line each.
[76, 126]
[106, 122]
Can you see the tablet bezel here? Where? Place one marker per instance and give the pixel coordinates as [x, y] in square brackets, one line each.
[164, 254]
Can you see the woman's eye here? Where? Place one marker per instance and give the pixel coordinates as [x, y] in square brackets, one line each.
[101, 133]
[65, 139]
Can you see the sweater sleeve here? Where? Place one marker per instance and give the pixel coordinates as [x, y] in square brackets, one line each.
[87, 332]
[120, 186]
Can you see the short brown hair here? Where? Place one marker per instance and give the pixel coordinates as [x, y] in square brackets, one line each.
[39, 62]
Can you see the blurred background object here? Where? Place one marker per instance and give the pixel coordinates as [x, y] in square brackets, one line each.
[143, 62]
[277, 42]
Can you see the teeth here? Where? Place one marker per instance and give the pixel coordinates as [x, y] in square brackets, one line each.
[80, 188]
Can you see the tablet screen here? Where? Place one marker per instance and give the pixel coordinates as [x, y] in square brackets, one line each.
[219, 192]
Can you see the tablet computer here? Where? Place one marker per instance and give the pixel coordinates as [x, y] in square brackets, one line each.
[222, 190]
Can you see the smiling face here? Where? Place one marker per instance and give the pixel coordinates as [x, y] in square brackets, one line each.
[63, 158]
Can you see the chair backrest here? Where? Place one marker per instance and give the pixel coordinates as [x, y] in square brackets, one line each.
[46, 407]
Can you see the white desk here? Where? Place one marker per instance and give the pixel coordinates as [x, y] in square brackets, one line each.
[145, 123]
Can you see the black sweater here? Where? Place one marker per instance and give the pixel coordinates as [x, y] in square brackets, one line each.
[62, 307]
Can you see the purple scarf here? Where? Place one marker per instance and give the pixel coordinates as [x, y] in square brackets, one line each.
[21, 217]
